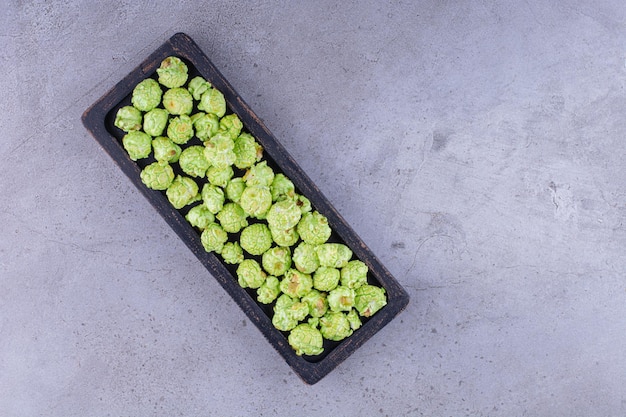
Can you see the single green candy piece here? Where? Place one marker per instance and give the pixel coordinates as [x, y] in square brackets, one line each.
[178, 101]
[287, 237]
[295, 283]
[306, 340]
[335, 326]
[354, 274]
[247, 151]
[313, 228]
[193, 162]
[282, 187]
[232, 218]
[303, 203]
[341, 298]
[213, 238]
[283, 321]
[213, 101]
[277, 260]
[157, 176]
[138, 144]
[255, 239]
[199, 216]
[172, 72]
[316, 300]
[250, 274]
[354, 319]
[147, 95]
[180, 129]
[198, 86]
[155, 121]
[219, 150]
[205, 125]
[231, 125]
[219, 176]
[182, 191]
[256, 201]
[305, 258]
[235, 188]
[213, 197]
[269, 290]
[292, 308]
[283, 214]
[128, 118]
[335, 255]
[165, 150]
[369, 299]
[326, 278]
[232, 253]
[259, 174]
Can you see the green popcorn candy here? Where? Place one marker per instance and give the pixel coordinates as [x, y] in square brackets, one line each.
[341, 298]
[178, 101]
[335, 255]
[232, 253]
[182, 191]
[213, 101]
[305, 258]
[157, 176]
[335, 326]
[198, 86]
[147, 95]
[165, 150]
[282, 187]
[269, 290]
[128, 118]
[283, 321]
[295, 283]
[255, 239]
[155, 121]
[199, 216]
[205, 125]
[172, 72]
[354, 274]
[318, 305]
[283, 214]
[180, 129]
[259, 174]
[256, 201]
[288, 312]
[220, 176]
[303, 203]
[231, 125]
[234, 189]
[219, 150]
[213, 198]
[247, 151]
[214, 238]
[354, 319]
[326, 278]
[250, 274]
[138, 144]
[193, 162]
[277, 260]
[306, 340]
[313, 228]
[232, 218]
[369, 299]
[286, 238]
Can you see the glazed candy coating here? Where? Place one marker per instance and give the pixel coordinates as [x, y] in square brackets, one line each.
[213, 101]
[305, 258]
[256, 201]
[255, 239]
[335, 326]
[269, 290]
[354, 319]
[138, 144]
[283, 214]
[213, 238]
[295, 283]
[232, 253]
[180, 129]
[172, 72]
[287, 237]
[178, 101]
[193, 162]
[250, 274]
[128, 118]
[341, 299]
[259, 174]
[147, 95]
[213, 197]
[288, 311]
[182, 191]
[369, 299]
[219, 176]
[335, 255]
[326, 278]
[219, 150]
[155, 121]
[205, 125]
[199, 216]
[247, 151]
[282, 187]
[277, 260]
[232, 218]
[235, 188]
[313, 228]
[354, 274]
[157, 176]
[306, 340]
[316, 300]
[198, 86]
[231, 125]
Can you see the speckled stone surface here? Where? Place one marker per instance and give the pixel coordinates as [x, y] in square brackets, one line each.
[477, 147]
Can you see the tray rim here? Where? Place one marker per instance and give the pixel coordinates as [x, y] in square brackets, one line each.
[94, 121]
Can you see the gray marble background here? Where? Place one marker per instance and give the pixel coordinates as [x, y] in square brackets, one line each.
[477, 147]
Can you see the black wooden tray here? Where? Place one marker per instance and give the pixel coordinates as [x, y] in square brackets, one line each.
[99, 118]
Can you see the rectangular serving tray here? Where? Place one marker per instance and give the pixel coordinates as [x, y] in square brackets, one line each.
[99, 121]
